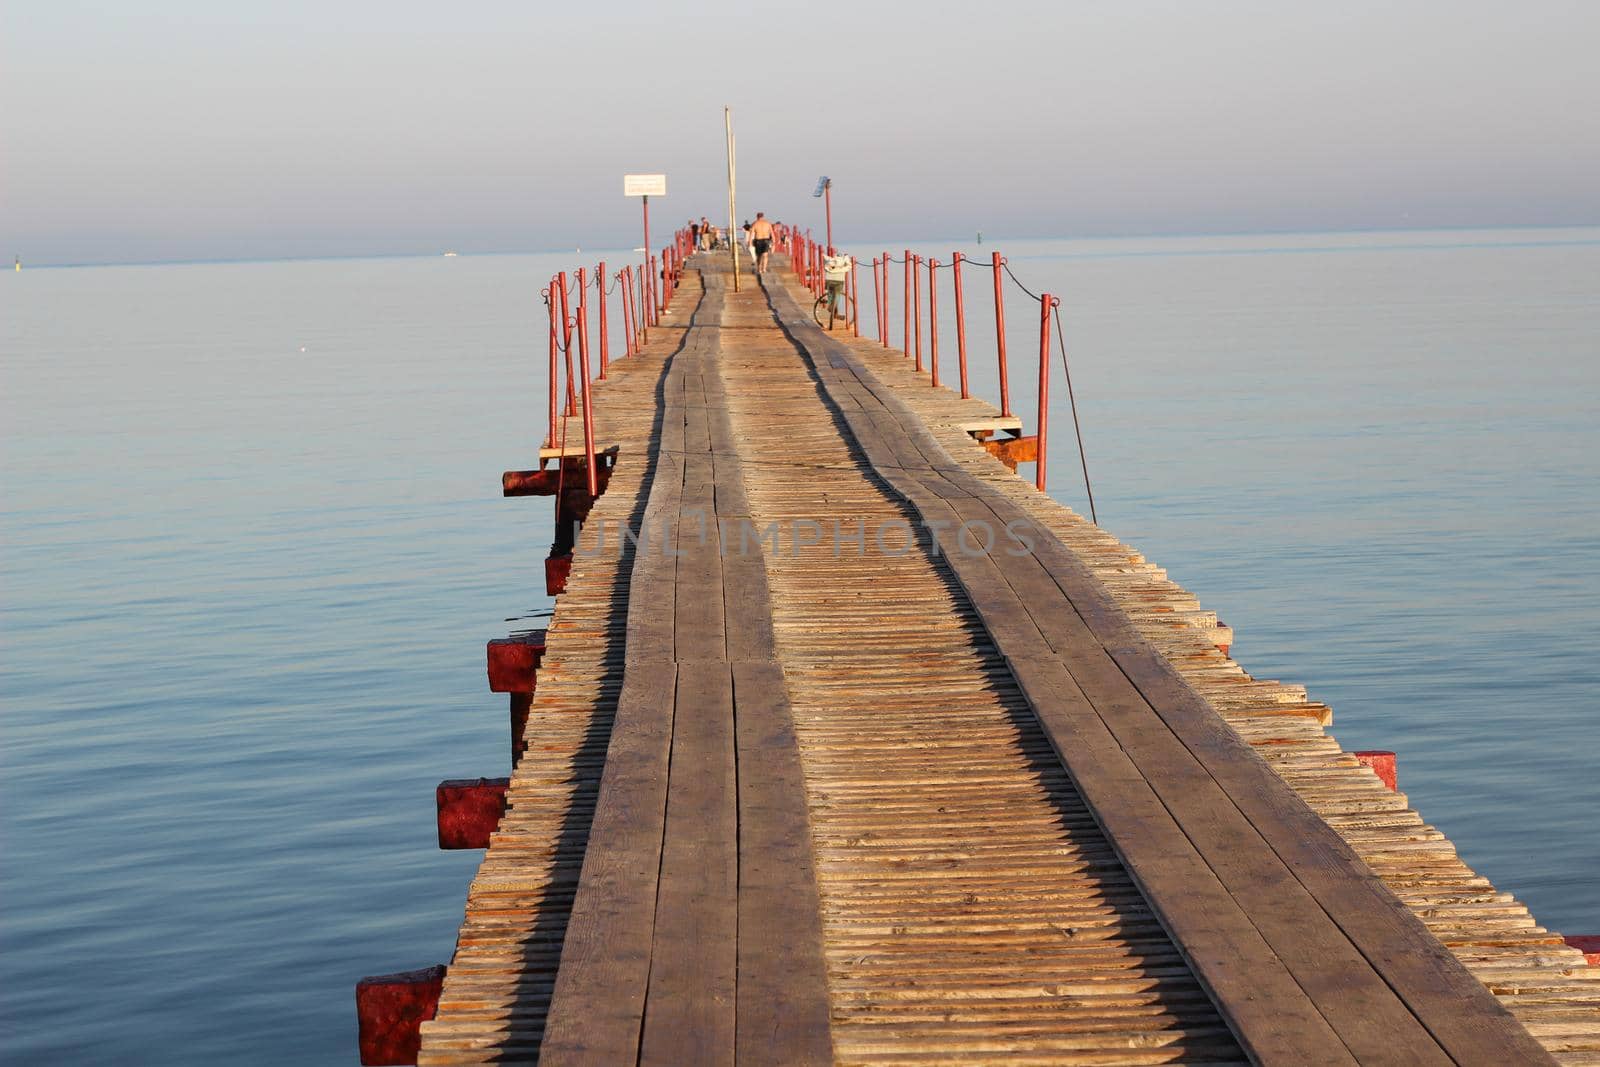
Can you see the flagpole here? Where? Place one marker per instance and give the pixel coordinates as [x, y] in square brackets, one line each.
[733, 234]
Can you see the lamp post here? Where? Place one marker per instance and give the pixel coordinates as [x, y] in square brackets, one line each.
[825, 190]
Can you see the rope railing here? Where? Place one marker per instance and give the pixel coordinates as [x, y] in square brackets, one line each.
[919, 272]
[645, 294]
[646, 290]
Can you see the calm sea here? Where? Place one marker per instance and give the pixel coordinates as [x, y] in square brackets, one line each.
[254, 542]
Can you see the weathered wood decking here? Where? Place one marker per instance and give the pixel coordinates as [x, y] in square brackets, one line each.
[856, 798]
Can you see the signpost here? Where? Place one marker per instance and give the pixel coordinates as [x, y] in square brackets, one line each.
[825, 190]
[646, 186]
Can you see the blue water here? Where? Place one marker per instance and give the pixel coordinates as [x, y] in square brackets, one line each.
[253, 545]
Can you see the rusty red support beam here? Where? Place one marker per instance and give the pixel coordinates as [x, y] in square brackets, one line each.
[469, 811]
[1013, 450]
[530, 483]
[961, 323]
[1383, 765]
[1000, 334]
[513, 662]
[390, 1011]
[933, 319]
[557, 569]
[1588, 944]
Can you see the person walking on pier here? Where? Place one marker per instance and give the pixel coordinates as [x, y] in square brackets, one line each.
[761, 241]
[694, 235]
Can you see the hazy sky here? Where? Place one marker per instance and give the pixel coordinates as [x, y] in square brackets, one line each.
[170, 129]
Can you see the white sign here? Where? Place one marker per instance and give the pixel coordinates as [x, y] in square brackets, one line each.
[644, 185]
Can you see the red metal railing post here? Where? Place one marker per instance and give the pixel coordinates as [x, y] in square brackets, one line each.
[566, 344]
[653, 305]
[877, 300]
[884, 314]
[961, 323]
[1000, 334]
[640, 315]
[905, 296]
[916, 296]
[555, 370]
[1046, 304]
[855, 298]
[933, 319]
[588, 407]
[605, 335]
[629, 345]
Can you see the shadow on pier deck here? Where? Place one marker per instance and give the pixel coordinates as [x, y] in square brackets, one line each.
[861, 750]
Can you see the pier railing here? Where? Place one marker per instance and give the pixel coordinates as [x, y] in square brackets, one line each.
[919, 271]
[646, 289]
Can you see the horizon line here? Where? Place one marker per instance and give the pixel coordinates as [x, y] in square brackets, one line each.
[1145, 235]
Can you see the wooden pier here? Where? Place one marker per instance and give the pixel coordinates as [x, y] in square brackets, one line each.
[867, 752]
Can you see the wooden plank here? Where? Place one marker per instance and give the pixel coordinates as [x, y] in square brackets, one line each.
[1265, 1007]
[1396, 1032]
[690, 1017]
[597, 1006]
[783, 986]
[1421, 971]
[1368, 1016]
[697, 594]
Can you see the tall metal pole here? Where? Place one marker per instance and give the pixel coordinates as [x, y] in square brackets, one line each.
[583, 369]
[961, 322]
[1046, 303]
[733, 215]
[1000, 333]
[827, 201]
[649, 282]
[605, 337]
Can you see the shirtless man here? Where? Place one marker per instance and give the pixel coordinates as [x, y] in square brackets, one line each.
[761, 235]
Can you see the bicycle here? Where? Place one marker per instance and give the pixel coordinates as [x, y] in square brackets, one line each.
[835, 302]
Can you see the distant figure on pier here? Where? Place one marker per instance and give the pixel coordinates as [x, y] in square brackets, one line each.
[761, 233]
[744, 238]
[694, 234]
[708, 234]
